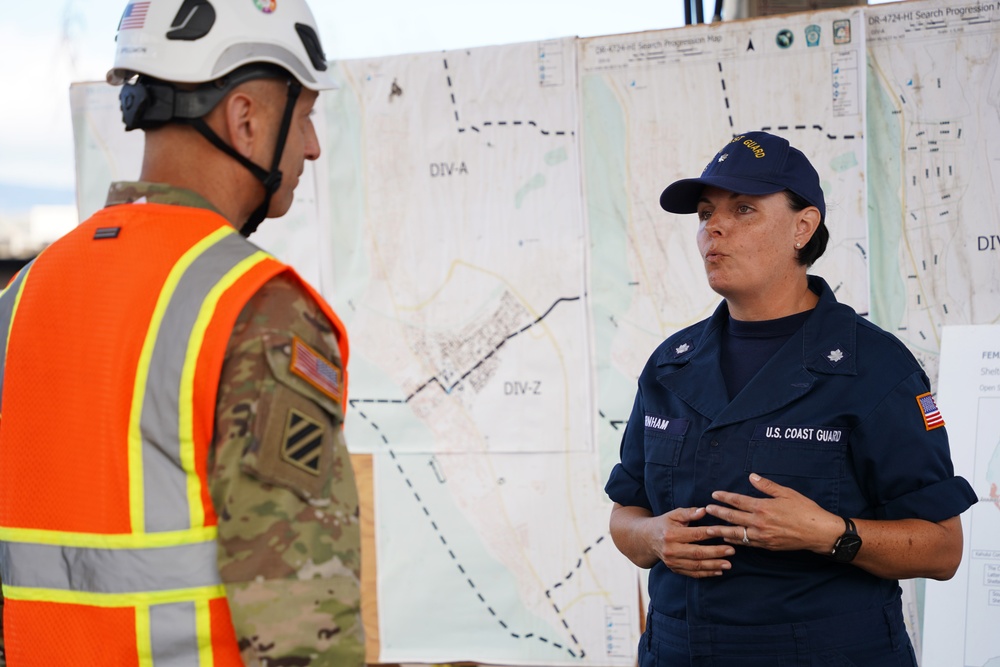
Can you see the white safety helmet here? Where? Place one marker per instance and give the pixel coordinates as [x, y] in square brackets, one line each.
[197, 41]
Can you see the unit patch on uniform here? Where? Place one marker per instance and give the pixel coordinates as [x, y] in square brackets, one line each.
[301, 441]
[310, 365]
[929, 411]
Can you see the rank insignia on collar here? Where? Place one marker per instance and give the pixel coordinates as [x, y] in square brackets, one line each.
[836, 355]
[302, 442]
[682, 349]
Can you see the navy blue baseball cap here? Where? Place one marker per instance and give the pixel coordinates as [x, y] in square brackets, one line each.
[755, 163]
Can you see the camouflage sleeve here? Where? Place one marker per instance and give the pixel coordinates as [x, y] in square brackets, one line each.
[283, 487]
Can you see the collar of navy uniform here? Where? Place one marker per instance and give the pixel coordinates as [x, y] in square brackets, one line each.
[829, 335]
[682, 347]
[829, 339]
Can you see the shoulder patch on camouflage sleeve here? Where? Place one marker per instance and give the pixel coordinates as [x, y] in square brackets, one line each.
[312, 367]
[301, 443]
[296, 448]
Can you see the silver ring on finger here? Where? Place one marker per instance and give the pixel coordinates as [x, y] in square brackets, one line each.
[746, 540]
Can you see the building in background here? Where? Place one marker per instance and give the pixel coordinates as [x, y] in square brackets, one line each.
[31, 219]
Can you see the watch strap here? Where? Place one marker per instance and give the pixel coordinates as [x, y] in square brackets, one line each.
[847, 545]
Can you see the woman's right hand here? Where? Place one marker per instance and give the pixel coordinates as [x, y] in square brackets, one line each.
[670, 538]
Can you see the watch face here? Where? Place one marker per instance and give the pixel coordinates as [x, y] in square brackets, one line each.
[847, 548]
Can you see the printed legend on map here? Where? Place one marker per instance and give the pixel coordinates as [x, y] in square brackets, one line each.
[846, 90]
[619, 632]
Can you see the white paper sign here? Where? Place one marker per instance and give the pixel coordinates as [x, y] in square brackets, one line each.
[963, 614]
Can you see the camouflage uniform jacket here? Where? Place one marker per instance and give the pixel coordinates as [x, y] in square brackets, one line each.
[281, 481]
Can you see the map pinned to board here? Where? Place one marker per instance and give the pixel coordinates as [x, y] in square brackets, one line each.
[933, 100]
[458, 264]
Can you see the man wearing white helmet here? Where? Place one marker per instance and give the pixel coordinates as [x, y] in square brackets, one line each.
[176, 489]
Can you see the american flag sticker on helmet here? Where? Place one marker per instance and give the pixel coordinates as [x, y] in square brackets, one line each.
[310, 365]
[134, 17]
[929, 410]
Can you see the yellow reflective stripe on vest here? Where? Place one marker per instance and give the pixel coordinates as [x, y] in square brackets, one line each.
[161, 429]
[102, 541]
[111, 599]
[144, 636]
[187, 449]
[9, 300]
[137, 502]
[203, 623]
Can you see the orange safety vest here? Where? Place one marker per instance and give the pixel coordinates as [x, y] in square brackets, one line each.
[111, 347]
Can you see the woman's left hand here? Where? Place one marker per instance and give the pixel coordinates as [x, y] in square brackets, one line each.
[785, 521]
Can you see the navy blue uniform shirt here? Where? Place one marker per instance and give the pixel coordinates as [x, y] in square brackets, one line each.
[833, 414]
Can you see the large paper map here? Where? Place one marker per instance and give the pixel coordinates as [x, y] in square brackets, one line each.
[933, 101]
[459, 266]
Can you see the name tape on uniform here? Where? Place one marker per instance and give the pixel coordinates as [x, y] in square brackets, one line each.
[666, 425]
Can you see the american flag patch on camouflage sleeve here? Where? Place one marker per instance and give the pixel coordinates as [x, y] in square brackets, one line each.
[312, 367]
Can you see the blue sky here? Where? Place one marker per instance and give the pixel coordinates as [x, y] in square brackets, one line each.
[44, 50]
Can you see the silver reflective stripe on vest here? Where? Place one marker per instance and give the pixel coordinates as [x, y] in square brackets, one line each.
[173, 631]
[7, 300]
[108, 570]
[164, 478]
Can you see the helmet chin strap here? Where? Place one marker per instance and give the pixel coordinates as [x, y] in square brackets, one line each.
[271, 180]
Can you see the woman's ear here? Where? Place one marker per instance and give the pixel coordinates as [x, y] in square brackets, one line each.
[805, 225]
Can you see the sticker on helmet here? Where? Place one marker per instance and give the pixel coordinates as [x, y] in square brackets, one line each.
[134, 16]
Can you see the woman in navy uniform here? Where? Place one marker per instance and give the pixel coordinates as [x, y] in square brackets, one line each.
[784, 464]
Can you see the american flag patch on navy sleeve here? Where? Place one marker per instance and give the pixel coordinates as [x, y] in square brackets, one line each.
[929, 410]
[312, 367]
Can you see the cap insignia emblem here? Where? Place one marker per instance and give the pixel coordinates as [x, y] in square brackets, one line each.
[722, 158]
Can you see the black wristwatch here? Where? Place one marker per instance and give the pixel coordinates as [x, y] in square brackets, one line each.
[847, 545]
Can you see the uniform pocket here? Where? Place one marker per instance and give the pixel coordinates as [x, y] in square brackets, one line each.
[662, 454]
[662, 450]
[810, 459]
